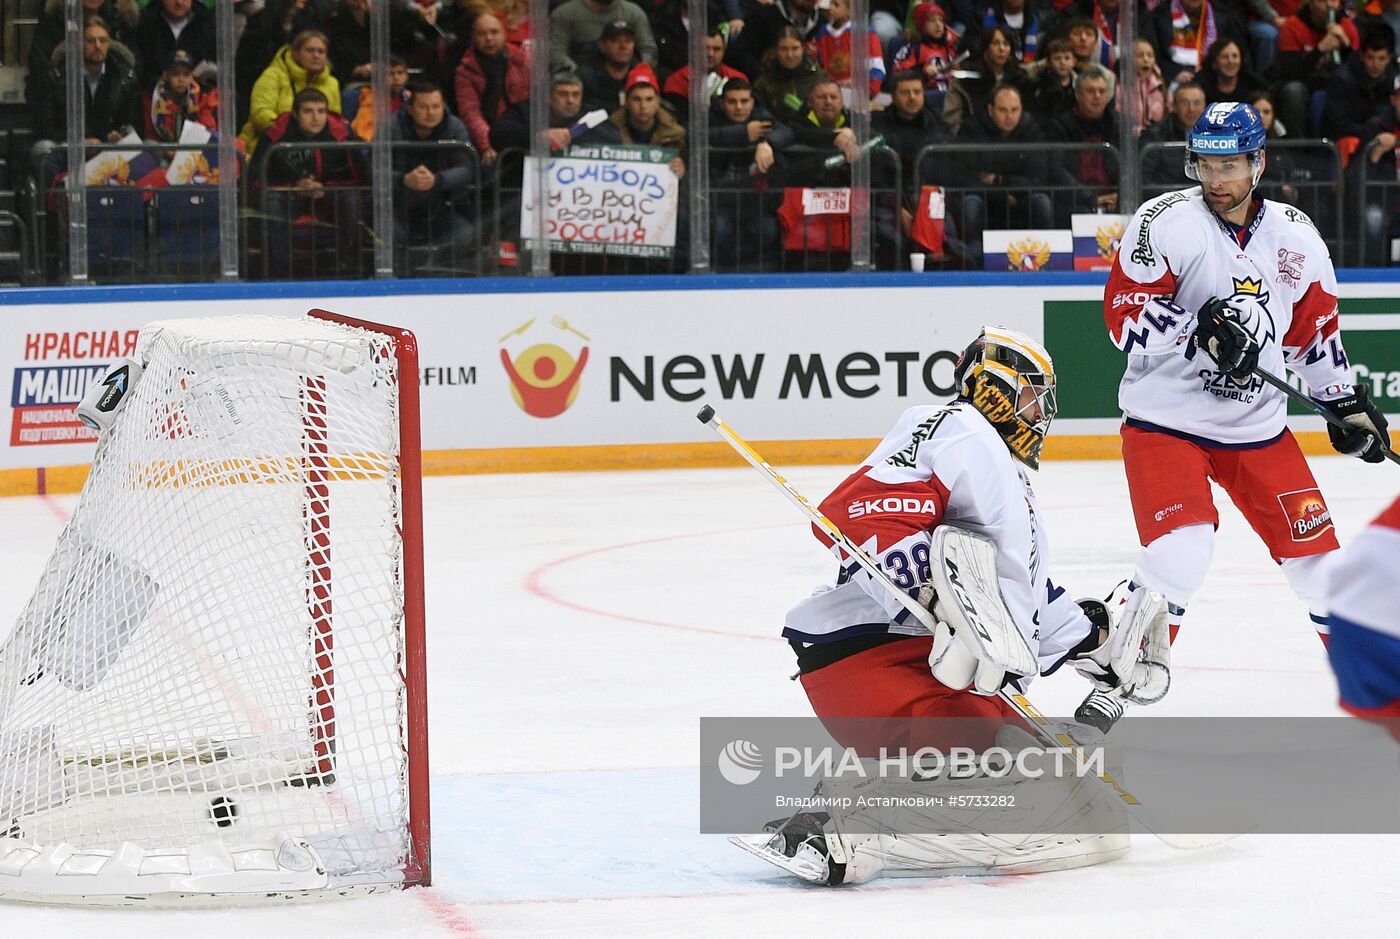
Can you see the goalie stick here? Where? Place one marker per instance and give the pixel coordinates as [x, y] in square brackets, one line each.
[1017, 701]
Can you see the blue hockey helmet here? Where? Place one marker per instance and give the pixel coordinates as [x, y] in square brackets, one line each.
[1227, 128]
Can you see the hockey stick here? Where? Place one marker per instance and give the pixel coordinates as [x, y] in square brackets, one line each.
[1015, 700]
[1316, 408]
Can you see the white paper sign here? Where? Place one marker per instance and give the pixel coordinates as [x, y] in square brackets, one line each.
[617, 199]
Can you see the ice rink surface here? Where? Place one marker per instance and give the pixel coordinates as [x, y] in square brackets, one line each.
[581, 624]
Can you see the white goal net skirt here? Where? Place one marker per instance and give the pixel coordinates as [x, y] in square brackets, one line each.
[215, 689]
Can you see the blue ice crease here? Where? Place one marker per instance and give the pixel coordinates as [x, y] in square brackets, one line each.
[584, 835]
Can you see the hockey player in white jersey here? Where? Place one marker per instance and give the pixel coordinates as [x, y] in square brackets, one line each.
[861, 655]
[1209, 284]
[1364, 612]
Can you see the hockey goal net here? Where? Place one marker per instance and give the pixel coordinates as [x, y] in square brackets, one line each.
[217, 687]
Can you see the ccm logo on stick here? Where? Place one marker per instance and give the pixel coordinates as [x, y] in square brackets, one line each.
[891, 504]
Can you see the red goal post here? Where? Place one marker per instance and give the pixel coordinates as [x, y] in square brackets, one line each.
[418, 869]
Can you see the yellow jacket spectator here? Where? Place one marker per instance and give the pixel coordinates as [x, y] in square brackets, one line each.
[300, 64]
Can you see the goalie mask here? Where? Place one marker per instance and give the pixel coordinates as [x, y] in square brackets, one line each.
[1009, 377]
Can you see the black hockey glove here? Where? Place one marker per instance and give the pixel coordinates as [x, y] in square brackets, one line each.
[1223, 337]
[1369, 440]
[1097, 613]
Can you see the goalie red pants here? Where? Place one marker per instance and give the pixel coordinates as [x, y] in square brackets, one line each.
[886, 697]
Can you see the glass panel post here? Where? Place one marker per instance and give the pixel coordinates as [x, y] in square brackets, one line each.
[380, 154]
[226, 44]
[75, 183]
[1129, 180]
[539, 123]
[860, 125]
[697, 169]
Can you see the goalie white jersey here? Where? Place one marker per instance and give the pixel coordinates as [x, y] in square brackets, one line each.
[939, 464]
[1176, 254]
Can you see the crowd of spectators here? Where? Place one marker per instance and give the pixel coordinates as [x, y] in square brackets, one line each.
[985, 72]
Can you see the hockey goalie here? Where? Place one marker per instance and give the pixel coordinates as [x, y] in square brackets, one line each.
[945, 507]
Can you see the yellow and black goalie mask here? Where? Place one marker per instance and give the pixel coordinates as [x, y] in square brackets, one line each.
[1009, 377]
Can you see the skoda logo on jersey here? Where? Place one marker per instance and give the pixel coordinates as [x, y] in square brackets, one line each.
[740, 762]
[906, 506]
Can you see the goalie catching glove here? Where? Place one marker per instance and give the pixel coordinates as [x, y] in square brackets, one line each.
[1134, 660]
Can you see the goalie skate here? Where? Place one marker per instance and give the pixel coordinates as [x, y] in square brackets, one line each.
[798, 845]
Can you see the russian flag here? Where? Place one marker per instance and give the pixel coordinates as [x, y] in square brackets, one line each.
[1027, 249]
[1096, 240]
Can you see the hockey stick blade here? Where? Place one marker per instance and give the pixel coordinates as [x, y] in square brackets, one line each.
[1140, 813]
[1311, 405]
[1018, 702]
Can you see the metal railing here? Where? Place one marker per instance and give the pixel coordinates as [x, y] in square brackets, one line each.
[1044, 194]
[15, 264]
[139, 228]
[152, 232]
[312, 233]
[749, 234]
[1377, 205]
[1304, 173]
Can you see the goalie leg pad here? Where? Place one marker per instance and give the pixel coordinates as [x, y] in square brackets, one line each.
[1072, 822]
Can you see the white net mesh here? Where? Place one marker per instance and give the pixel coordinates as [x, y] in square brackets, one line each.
[213, 653]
